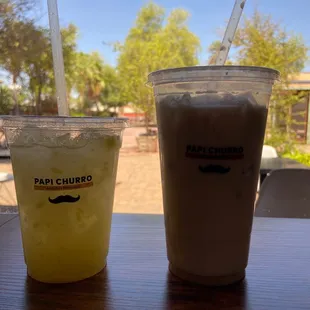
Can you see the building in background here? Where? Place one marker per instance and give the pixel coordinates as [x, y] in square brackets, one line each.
[301, 111]
[134, 115]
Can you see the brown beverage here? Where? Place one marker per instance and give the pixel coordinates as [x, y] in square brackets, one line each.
[210, 146]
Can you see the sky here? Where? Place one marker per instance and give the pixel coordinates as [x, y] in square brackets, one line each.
[110, 20]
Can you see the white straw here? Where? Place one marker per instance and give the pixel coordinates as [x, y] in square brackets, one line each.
[230, 32]
[58, 61]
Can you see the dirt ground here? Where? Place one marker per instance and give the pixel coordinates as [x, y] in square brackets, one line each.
[138, 184]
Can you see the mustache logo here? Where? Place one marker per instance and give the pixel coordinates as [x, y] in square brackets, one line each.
[65, 198]
[214, 169]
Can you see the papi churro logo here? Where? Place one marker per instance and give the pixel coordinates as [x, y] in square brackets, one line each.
[58, 184]
[64, 198]
[216, 153]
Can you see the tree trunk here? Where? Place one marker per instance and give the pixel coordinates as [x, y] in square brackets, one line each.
[81, 103]
[34, 97]
[15, 98]
[38, 101]
[97, 107]
[289, 121]
[147, 114]
[273, 116]
[146, 121]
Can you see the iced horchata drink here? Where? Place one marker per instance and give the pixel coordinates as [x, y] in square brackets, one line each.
[64, 170]
[211, 129]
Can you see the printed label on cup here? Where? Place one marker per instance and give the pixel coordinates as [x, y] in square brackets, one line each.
[59, 184]
[212, 152]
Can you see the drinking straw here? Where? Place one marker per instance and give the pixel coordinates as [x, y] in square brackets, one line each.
[230, 32]
[58, 62]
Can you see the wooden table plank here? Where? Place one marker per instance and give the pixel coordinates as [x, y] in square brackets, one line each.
[278, 276]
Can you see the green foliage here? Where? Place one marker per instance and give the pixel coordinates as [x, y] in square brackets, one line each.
[110, 95]
[153, 43]
[6, 100]
[156, 41]
[213, 51]
[25, 53]
[260, 41]
[77, 114]
[88, 79]
[298, 156]
[97, 84]
[280, 141]
[17, 40]
[263, 42]
[69, 37]
[38, 64]
[16, 8]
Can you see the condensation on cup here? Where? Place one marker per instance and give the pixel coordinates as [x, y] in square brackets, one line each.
[211, 122]
[64, 170]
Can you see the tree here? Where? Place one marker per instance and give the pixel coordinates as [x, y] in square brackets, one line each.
[263, 42]
[26, 53]
[213, 51]
[151, 45]
[175, 45]
[69, 47]
[110, 95]
[134, 62]
[15, 9]
[39, 64]
[16, 43]
[6, 100]
[18, 8]
[89, 79]
[260, 41]
[16, 40]
[39, 68]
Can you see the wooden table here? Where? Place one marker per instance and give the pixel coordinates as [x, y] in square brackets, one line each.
[278, 276]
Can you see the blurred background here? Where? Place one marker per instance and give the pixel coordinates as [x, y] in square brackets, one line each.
[110, 47]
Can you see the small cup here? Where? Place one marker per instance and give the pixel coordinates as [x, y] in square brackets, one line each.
[64, 170]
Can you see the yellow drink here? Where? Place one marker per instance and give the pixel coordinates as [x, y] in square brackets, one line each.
[65, 191]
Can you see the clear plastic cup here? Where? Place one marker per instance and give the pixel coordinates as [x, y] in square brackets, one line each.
[64, 170]
[211, 123]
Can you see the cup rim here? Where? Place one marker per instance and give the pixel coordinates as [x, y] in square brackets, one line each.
[214, 72]
[63, 122]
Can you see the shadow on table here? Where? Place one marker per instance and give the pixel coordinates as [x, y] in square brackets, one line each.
[181, 294]
[70, 295]
[98, 293]
[136, 277]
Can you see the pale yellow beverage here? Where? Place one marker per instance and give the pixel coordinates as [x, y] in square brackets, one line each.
[65, 189]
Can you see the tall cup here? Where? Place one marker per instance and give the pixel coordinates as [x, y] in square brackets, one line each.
[65, 171]
[211, 124]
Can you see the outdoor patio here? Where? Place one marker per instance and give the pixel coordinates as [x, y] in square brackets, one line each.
[138, 185]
